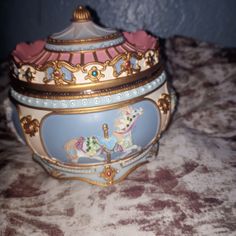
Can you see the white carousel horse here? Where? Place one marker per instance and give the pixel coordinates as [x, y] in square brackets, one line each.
[120, 140]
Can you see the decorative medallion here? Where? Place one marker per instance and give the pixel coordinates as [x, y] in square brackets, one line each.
[164, 102]
[30, 126]
[94, 74]
[58, 76]
[108, 174]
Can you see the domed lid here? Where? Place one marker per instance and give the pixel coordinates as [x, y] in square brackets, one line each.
[85, 59]
[83, 34]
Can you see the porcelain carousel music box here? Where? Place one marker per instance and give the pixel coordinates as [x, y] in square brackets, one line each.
[90, 102]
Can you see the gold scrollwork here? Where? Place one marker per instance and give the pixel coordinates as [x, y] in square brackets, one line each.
[164, 103]
[30, 126]
[126, 65]
[129, 62]
[59, 65]
[57, 75]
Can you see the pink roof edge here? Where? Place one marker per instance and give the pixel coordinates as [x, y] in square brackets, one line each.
[35, 53]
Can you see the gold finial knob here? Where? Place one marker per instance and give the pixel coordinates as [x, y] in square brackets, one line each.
[81, 14]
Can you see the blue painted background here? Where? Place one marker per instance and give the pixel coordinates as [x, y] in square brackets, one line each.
[58, 129]
[209, 20]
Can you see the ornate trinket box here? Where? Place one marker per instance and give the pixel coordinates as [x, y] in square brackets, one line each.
[90, 102]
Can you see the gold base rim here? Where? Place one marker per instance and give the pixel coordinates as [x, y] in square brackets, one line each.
[86, 180]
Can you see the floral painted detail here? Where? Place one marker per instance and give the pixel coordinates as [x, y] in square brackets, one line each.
[101, 147]
[164, 103]
[94, 74]
[150, 59]
[30, 126]
[29, 74]
[91, 147]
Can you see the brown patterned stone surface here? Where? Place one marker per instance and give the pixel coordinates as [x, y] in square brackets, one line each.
[190, 189]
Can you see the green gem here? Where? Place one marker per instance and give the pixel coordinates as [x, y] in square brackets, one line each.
[94, 73]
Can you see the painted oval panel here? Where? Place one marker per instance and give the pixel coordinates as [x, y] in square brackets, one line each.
[94, 137]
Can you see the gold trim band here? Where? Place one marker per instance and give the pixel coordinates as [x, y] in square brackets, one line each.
[53, 41]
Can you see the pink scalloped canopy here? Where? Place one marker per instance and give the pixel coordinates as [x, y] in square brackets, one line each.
[35, 53]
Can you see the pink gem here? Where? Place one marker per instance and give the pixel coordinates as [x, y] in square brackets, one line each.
[127, 64]
[56, 73]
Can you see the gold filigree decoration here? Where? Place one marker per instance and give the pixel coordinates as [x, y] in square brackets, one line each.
[94, 74]
[126, 65]
[30, 126]
[164, 103]
[121, 63]
[57, 75]
[108, 174]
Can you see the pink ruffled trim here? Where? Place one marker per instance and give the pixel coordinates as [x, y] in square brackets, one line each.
[141, 40]
[25, 51]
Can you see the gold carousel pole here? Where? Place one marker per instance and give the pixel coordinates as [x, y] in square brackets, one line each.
[106, 136]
